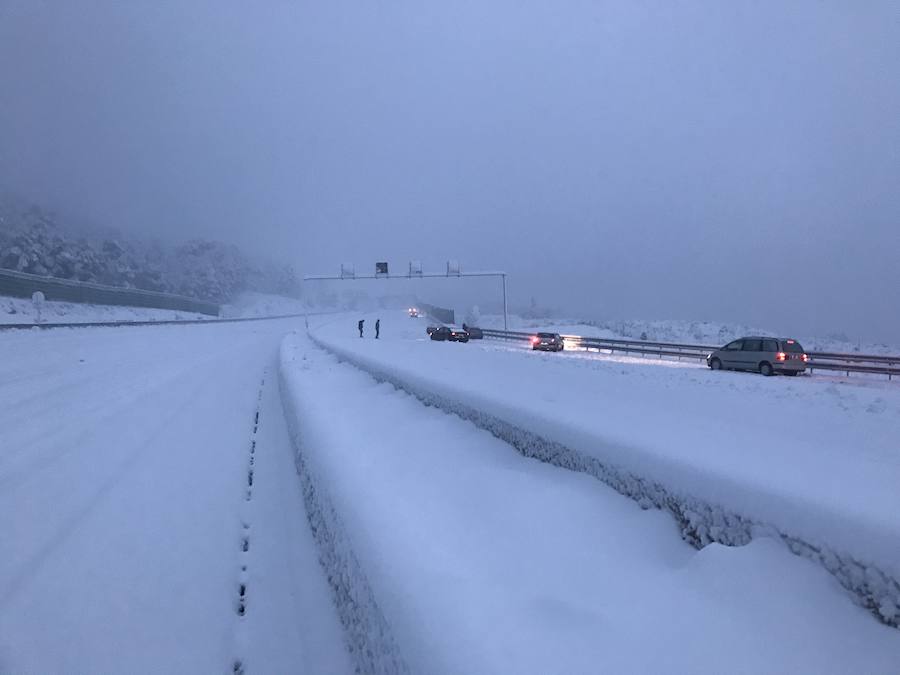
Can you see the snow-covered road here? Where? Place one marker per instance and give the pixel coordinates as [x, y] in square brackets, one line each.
[124, 512]
[464, 557]
[731, 455]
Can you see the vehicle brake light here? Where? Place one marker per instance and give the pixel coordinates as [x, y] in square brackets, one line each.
[805, 358]
[535, 339]
[780, 356]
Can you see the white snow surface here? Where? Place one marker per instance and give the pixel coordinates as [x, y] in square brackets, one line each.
[814, 462]
[466, 557]
[124, 504]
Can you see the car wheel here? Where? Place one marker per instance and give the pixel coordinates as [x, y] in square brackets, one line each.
[765, 368]
[790, 373]
[715, 364]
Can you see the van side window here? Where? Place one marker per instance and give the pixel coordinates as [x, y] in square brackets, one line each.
[733, 346]
[752, 345]
[770, 345]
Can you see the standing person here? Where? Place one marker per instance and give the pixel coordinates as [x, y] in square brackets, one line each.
[360, 326]
[377, 327]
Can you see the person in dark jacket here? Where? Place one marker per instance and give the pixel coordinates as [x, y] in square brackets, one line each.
[360, 326]
[377, 327]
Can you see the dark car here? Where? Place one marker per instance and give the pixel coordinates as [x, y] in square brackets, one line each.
[474, 333]
[449, 334]
[431, 329]
[548, 342]
[457, 334]
[762, 355]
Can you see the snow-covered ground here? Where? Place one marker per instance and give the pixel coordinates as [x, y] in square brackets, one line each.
[686, 332]
[249, 305]
[461, 556]
[128, 521]
[732, 455]
[20, 310]
[153, 517]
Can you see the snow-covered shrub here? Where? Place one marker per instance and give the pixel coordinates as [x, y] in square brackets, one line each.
[33, 241]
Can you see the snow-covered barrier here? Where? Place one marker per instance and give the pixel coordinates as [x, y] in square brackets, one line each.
[860, 554]
[22, 285]
[369, 638]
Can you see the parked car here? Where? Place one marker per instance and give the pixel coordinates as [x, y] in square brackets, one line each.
[457, 334]
[431, 329]
[548, 342]
[449, 334]
[760, 354]
[474, 333]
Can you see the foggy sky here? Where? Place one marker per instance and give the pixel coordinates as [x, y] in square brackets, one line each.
[701, 160]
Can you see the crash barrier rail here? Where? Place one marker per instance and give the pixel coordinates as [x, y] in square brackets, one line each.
[438, 313]
[167, 322]
[22, 285]
[831, 361]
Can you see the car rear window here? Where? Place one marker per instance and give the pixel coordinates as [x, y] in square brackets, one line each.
[546, 335]
[791, 346]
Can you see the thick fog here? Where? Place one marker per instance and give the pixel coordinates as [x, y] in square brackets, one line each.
[722, 160]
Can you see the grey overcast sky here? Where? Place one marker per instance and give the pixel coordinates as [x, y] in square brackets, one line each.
[721, 160]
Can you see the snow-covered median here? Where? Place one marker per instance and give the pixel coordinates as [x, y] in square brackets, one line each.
[450, 553]
[732, 456]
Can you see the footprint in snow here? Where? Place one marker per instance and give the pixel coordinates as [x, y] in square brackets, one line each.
[877, 406]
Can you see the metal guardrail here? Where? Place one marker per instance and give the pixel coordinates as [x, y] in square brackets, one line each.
[22, 285]
[831, 361]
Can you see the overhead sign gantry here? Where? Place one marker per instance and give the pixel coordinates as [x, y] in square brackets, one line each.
[348, 272]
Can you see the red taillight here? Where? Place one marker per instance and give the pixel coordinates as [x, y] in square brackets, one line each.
[780, 356]
[535, 339]
[805, 358]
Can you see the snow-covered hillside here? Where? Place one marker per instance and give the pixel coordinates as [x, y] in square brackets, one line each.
[34, 241]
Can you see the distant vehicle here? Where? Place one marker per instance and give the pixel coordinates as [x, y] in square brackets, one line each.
[449, 334]
[762, 355]
[548, 342]
[413, 312]
[474, 333]
[431, 329]
[457, 334]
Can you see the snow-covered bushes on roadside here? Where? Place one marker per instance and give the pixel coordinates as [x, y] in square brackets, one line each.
[32, 241]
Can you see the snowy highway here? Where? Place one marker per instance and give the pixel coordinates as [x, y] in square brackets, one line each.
[247, 498]
[124, 458]
[471, 558]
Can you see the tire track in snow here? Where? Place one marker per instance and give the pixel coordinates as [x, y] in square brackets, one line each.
[242, 599]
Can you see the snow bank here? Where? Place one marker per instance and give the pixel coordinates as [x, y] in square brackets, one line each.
[723, 480]
[371, 643]
[450, 553]
[21, 310]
